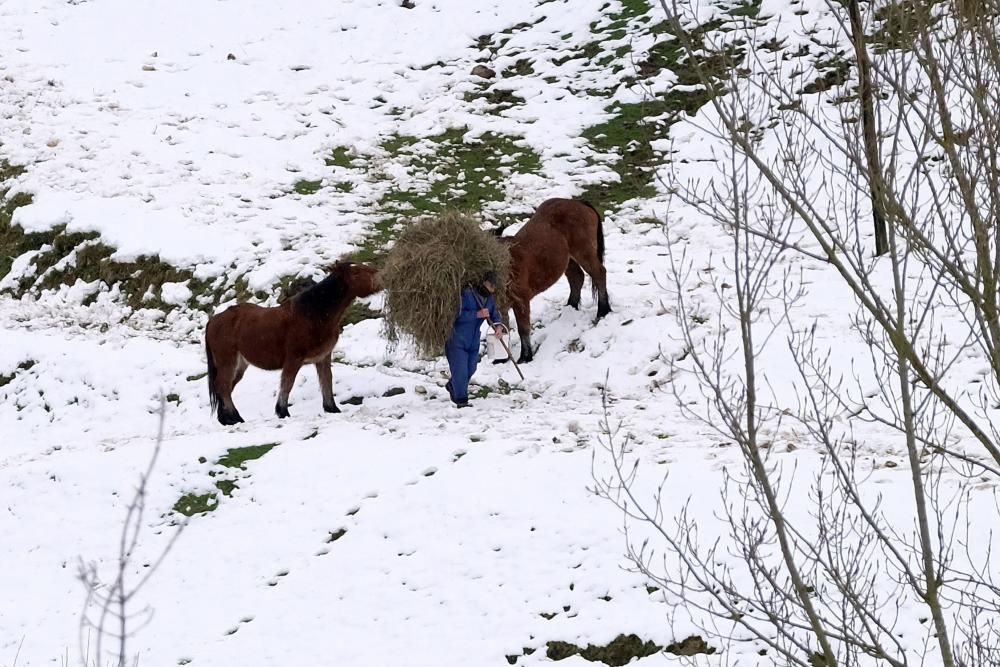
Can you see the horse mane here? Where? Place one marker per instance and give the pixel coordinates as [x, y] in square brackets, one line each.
[324, 297]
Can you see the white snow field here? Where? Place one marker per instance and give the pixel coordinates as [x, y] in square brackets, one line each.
[402, 531]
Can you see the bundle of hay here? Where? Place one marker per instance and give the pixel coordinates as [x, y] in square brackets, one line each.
[425, 271]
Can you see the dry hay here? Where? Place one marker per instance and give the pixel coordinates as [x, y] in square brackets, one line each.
[425, 270]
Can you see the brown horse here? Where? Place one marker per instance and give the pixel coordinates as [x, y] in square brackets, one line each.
[563, 237]
[302, 330]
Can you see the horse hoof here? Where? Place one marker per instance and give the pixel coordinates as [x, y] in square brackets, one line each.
[332, 410]
[282, 412]
[230, 419]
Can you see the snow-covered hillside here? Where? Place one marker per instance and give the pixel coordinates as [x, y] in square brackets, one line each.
[234, 146]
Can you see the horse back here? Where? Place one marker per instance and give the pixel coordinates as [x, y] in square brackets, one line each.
[258, 333]
[539, 255]
[576, 220]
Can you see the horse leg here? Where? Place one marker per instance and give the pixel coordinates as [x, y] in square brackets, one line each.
[227, 374]
[288, 373]
[522, 314]
[574, 274]
[241, 368]
[599, 282]
[325, 374]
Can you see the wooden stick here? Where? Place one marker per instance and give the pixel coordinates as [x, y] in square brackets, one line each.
[509, 355]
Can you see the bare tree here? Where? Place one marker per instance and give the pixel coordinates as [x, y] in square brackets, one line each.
[794, 173]
[107, 610]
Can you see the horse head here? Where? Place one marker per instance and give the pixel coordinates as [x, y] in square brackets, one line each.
[361, 279]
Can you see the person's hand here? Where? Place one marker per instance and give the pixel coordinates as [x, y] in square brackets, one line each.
[482, 313]
[498, 330]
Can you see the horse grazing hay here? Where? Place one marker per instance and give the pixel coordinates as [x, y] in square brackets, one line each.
[424, 273]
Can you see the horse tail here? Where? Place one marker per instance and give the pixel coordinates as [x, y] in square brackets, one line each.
[600, 230]
[213, 372]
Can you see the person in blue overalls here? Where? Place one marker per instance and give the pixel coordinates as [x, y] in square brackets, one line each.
[462, 347]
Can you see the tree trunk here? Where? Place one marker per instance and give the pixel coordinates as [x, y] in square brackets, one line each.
[876, 179]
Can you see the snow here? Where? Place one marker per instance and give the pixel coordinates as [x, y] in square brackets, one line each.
[462, 527]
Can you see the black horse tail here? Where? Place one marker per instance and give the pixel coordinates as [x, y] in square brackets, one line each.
[600, 230]
[213, 372]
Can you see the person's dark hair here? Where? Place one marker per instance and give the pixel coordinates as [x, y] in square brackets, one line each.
[490, 277]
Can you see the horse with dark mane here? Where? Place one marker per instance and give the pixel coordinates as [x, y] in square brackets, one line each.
[563, 237]
[302, 330]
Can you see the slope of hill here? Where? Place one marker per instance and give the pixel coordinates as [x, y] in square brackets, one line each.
[159, 161]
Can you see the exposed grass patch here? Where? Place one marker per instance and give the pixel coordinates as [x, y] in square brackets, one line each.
[139, 280]
[900, 24]
[512, 658]
[198, 503]
[522, 67]
[63, 257]
[235, 458]
[359, 312]
[461, 175]
[307, 187]
[633, 127]
[14, 242]
[619, 651]
[481, 392]
[836, 71]
[451, 173]
[629, 134]
[340, 157]
[499, 99]
[191, 503]
[749, 9]
[23, 366]
[693, 645]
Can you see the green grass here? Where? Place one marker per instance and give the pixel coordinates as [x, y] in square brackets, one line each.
[465, 175]
[198, 503]
[139, 281]
[523, 67]
[190, 504]
[629, 133]
[93, 259]
[451, 174]
[235, 458]
[136, 279]
[499, 99]
[830, 78]
[23, 366]
[900, 23]
[306, 187]
[340, 157]
[14, 242]
[619, 651]
[359, 312]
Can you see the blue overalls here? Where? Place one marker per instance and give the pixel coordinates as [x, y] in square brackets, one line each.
[462, 347]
